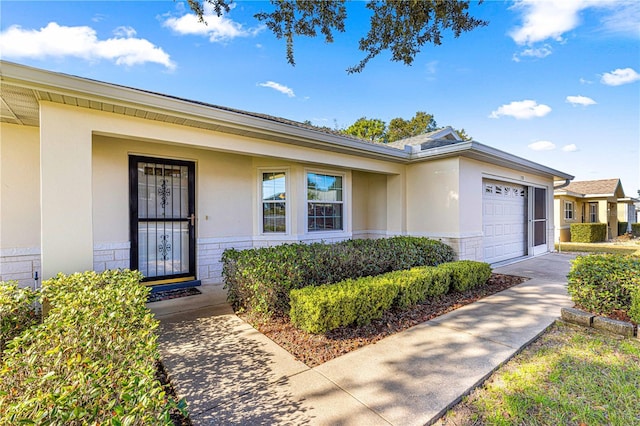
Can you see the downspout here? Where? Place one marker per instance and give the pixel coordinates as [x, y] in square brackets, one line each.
[564, 185]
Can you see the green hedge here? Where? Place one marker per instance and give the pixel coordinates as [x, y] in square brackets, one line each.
[91, 361]
[588, 232]
[467, 274]
[260, 279]
[17, 311]
[324, 308]
[635, 229]
[622, 228]
[603, 283]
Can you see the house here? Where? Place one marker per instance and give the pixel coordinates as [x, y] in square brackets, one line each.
[590, 201]
[628, 211]
[100, 176]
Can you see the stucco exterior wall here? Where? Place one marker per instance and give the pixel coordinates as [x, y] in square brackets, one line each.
[369, 201]
[19, 203]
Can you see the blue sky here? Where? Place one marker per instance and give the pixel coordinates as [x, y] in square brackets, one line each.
[556, 82]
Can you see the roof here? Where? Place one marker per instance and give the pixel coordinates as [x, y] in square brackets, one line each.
[440, 137]
[594, 188]
[22, 89]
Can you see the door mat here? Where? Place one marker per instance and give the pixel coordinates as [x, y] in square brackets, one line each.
[172, 294]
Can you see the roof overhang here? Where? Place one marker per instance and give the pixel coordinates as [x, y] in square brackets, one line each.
[481, 152]
[23, 88]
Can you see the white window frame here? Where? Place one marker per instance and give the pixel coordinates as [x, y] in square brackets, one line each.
[287, 200]
[569, 210]
[343, 202]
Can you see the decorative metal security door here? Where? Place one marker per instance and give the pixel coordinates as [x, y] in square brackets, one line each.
[162, 218]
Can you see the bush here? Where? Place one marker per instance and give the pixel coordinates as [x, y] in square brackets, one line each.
[17, 311]
[622, 228]
[418, 284]
[588, 232]
[324, 308]
[321, 309]
[91, 361]
[635, 229]
[603, 283]
[634, 310]
[260, 279]
[467, 274]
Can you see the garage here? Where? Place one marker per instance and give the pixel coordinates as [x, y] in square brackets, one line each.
[504, 221]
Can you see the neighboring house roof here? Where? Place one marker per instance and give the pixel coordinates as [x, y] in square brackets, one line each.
[22, 88]
[440, 137]
[593, 188]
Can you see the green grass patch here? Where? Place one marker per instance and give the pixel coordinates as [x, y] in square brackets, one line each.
[570, 375]
[609, 248]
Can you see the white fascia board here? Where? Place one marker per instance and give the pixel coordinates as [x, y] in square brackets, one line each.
[478, 151]
[560, 192]
[38, 79]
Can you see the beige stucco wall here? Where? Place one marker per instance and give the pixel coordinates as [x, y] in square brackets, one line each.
[369, 202]
[433, 195]
[20, 186]
[220, 178]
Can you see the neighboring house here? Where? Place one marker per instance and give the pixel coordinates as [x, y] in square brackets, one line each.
[99, 176]
[627, 211]
[590, 201]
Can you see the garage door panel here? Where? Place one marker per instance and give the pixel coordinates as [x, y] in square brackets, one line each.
[504, 221]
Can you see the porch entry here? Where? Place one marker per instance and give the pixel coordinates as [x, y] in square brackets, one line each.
[162, 219]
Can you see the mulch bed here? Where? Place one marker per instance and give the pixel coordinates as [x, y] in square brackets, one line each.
[315, 349]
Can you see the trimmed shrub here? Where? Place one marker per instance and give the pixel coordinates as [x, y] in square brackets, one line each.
[324, 308]
[91, 361]
[467, 274]
[418, 284]
[260, 279]
[588, 232]
[17, 311]
[358, 301]
[622, 228]
[634, 310]
[603, 283]
[635, 229]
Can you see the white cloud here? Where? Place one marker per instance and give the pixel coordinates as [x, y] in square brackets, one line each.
[543, 20]
[585, 81]
[540, 52]
[124, 32]
[542, 146]
[547, 20]
[279, 87]
[432, 69]
[570, 148]
[580, 100]
[216, 28]
[521, 110]
[82, 42]
[620, 76]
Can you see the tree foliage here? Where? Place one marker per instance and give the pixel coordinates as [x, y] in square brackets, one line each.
[376, 130]
[399, 128]
[372, 129]
[402, 27]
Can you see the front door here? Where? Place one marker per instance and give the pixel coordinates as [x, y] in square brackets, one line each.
[162, 218]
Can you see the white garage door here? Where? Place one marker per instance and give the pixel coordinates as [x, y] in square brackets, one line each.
[504, 221]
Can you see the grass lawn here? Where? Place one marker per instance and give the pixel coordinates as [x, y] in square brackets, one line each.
[571, 375]
[626, 247]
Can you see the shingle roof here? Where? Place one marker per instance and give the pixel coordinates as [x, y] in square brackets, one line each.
[426, 140]
[600, 187]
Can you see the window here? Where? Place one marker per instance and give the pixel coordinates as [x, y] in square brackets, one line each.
[593, 212]
[325, 205]
[568, 210]
[274, 202]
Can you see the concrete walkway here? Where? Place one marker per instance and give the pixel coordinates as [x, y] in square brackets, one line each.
[231, 374]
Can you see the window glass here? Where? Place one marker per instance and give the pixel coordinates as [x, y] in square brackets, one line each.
[324, 202]
[274, 206]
